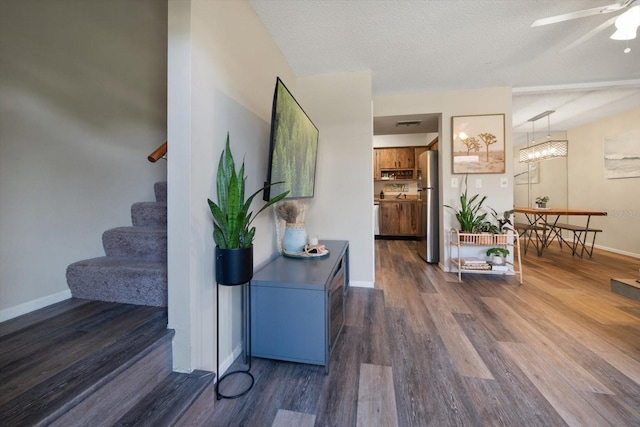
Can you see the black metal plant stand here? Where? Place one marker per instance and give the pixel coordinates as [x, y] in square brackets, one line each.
[246, 320]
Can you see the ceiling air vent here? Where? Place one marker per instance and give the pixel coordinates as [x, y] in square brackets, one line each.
[408, 123]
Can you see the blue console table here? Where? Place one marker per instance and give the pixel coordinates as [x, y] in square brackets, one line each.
[298, 306]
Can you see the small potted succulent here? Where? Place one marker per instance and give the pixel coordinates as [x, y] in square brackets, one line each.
[497, 255]
[541, 201]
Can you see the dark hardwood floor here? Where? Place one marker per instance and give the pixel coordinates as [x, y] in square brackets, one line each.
[423, 349]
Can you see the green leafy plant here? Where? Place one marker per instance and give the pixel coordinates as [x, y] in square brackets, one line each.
[487, 227]
[542, 199]
[504, 219]
[503, 252]
[231, 217]
[468, 215]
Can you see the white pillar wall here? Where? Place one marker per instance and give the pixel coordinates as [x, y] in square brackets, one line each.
[222, 72]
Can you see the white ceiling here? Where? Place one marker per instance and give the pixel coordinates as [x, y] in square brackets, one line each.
[430, 45]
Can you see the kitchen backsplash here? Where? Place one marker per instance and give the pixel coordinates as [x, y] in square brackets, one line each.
[411, 187]
[404, 188]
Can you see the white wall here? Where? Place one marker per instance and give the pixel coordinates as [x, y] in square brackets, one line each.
[588, 188]
[457, 103]
[222, 72]
[403, 140]
[340, 105]
[82, 104]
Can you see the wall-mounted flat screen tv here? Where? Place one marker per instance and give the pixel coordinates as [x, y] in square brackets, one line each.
[293, 147]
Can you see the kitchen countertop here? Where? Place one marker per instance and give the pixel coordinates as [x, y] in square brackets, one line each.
[409, 198]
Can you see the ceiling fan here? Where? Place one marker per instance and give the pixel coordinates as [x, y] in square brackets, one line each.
[626, 23]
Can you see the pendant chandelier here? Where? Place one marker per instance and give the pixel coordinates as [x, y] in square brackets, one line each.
[549, 149]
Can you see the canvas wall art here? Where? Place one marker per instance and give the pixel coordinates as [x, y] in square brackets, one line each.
[622, 155]
[478, 144]
[526, 173]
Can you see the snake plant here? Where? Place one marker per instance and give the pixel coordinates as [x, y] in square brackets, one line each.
[468, 217]
[231, 216]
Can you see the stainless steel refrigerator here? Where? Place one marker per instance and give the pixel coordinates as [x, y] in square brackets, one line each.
[428, 240]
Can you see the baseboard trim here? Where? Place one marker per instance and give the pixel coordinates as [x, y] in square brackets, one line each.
[617, 251]
[360, 284]
[36, 304]
[226, 363]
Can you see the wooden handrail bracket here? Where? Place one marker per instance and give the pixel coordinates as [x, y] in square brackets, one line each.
[159, 153]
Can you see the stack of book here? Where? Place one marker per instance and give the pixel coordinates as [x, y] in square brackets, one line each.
[499, 267]
[474, 264]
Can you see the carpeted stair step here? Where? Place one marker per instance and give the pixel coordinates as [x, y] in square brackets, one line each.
[134, 270]
[160, 189]
[149, 214]
[149, 244]
[169, 401]
[117, 279]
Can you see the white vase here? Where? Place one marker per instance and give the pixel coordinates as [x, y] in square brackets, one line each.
[295, 238]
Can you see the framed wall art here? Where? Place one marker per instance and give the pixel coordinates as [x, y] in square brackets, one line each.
[525, 173]
[478, 144]
[622, 155]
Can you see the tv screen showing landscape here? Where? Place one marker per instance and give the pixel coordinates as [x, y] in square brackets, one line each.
[294, 145]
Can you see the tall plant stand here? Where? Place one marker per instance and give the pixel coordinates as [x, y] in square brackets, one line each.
[246, 323]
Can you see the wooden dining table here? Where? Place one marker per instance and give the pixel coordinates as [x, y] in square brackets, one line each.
[546, 221]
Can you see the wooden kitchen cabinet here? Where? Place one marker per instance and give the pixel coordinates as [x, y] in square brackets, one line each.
[398, 218]
[395, 162]
[396, 158]
[405, 158]
[386, 158]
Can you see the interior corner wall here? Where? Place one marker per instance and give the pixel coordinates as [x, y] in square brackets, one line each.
[342, 209]
[82, 104]
[589, 189]
[458, 103]
[221, 76]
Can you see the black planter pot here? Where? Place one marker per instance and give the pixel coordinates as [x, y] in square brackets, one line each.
[234, 266]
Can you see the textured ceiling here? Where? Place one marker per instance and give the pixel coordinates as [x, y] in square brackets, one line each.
[413, 123]
[429, 45]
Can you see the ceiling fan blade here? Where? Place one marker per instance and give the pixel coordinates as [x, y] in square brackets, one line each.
[590, 34]
[579, 14]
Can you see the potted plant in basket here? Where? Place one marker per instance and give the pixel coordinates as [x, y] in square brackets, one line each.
[541, 201]
[468, 215]
[497, 255]
[503, 220]
[487, 230]
[504, 223]
[232, 231]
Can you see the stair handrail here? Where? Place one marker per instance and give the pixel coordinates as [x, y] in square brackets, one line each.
[159, 153]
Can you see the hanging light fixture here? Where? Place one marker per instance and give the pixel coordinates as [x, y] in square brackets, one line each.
[549, 149]
[627, 24]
